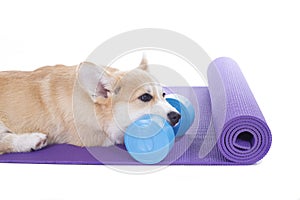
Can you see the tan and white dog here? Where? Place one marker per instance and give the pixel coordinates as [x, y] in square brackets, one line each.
[84, 105]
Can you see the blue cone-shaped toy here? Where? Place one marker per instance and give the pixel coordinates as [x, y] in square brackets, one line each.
[149, 139]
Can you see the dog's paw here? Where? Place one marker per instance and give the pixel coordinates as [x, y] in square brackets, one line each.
[40, 141]
[29, 141]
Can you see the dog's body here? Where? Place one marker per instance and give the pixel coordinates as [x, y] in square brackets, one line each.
[83, 105]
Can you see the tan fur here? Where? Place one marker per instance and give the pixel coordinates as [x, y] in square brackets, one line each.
[39, 101]
[51, 100]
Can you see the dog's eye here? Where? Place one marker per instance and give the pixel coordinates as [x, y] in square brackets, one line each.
[145, 97]
[163, 95]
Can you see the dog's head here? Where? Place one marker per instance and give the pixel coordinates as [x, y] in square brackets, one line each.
[128, 95]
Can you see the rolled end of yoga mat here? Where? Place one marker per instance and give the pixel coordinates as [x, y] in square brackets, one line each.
[242, 133]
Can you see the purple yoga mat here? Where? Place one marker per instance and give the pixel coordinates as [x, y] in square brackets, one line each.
[242, 132]
[229, 129]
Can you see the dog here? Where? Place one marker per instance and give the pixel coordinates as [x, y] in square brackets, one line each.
[83, 105]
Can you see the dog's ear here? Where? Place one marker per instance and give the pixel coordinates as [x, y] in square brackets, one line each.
[144, 63]
[95, 80]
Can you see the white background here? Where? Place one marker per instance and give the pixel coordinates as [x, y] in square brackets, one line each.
[262, 36]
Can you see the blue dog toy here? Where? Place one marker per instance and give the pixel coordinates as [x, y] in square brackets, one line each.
[150, 138]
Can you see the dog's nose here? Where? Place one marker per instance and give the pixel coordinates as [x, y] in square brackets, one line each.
[173, 117]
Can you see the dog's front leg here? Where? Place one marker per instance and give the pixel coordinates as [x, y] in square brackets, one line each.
[12, 142]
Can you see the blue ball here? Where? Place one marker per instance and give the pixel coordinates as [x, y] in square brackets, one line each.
[186, 110]
[149, 139]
